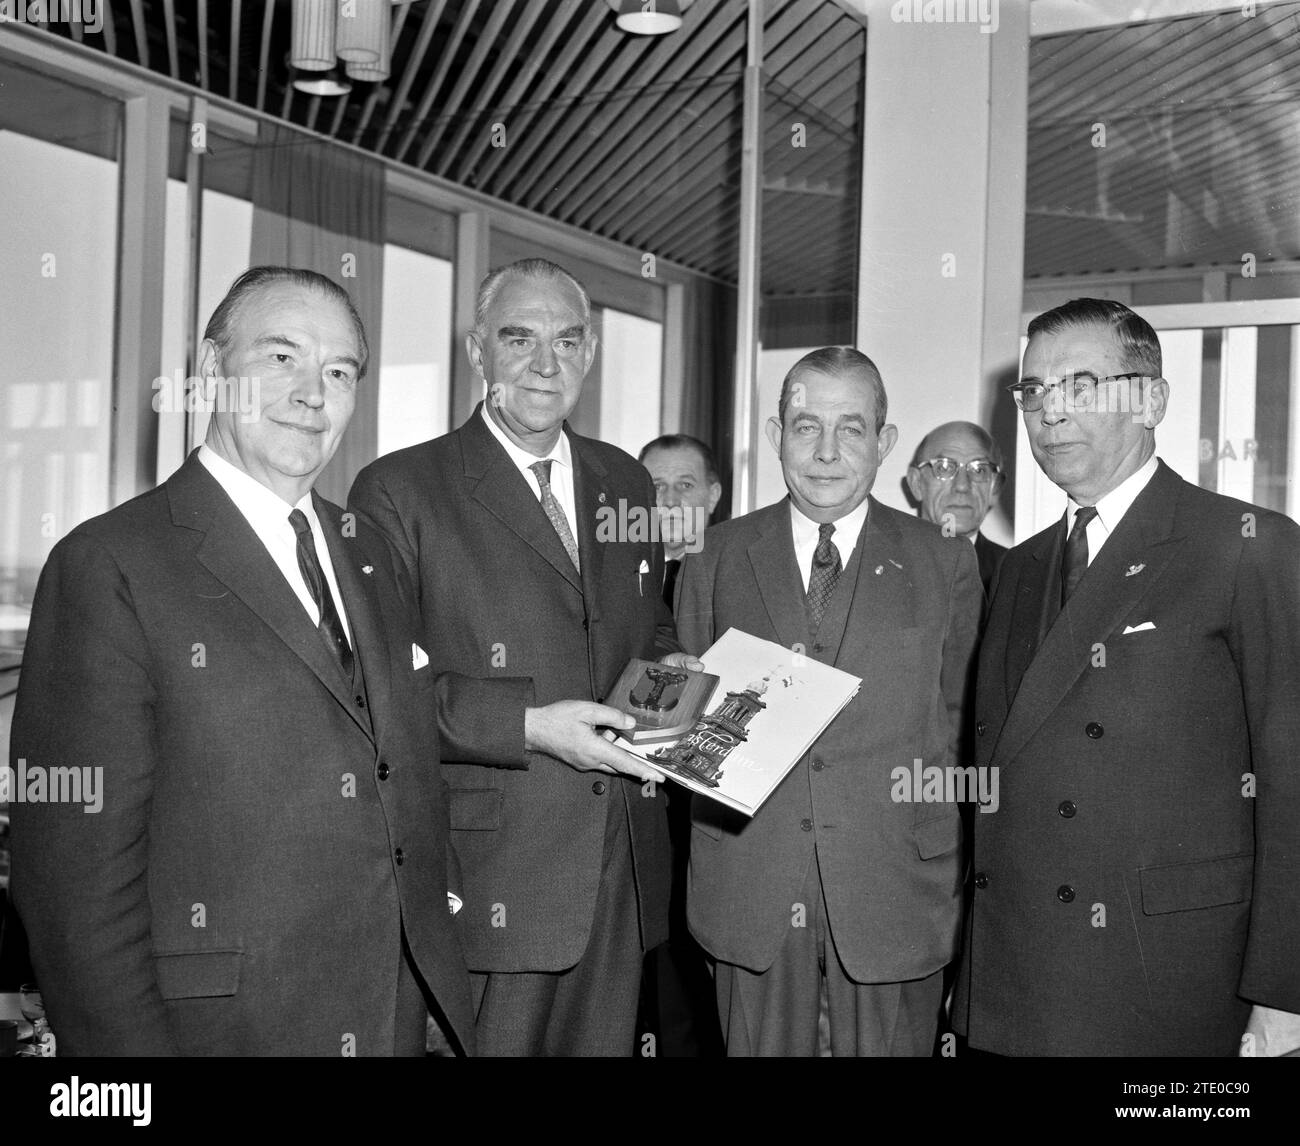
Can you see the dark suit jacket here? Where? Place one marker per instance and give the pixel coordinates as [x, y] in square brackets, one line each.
[989, 554]
[1124, 763]
[517, 627]
[245, 887]
[890, 870]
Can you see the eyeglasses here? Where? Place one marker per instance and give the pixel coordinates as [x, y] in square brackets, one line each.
[981, 470]
[1078, 390]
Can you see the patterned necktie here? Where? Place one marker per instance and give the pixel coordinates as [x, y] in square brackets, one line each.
[554, 512]
[1074, 561]
[825, 572]
[330, 627]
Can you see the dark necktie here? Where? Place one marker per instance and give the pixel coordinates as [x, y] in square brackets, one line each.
[1074, 561]
[330, 627]
[825, 572]
[554, 512]
[671, 569]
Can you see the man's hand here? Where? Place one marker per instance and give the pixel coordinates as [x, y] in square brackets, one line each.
[1271, 1033]
[682, 661]
[567, 730]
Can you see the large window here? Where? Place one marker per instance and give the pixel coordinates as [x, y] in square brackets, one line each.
[631, 374]
[58, 247]
[414, 376]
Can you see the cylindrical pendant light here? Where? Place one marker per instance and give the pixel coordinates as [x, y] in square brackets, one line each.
[313, 34]
[376, 72]
[362, 28]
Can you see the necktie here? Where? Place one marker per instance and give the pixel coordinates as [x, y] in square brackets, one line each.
[671, 569]
[554, 512]
[330, 627]
[1074, 561]
[825, 572]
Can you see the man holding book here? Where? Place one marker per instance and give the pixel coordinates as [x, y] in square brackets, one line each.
[833, 911]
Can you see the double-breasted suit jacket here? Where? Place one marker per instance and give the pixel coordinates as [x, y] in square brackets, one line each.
[517, 626]
[903, 618]
[264, 841]
[1139, 885]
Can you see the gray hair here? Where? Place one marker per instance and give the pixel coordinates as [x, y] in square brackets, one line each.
[491, 286]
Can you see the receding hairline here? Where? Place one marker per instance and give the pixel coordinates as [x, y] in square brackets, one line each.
[972, 429]
[243, 293]
[535, 270]
[869, 375]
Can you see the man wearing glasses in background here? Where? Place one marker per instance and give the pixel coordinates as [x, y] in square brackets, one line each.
[1138, 890]
[956, 476]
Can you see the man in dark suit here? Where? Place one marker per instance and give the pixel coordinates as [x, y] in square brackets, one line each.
[687, 491]
[955, 477]
[838, 902]
[237, 661]
[1138, 890]
[532, 549]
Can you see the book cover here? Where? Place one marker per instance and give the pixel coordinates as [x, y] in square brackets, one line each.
[769, 706]
[666, 702]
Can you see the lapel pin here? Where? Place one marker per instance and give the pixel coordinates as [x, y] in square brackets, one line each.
[600, 497]
[1132, 569]
[895, 564]
[367, 569]
[879, 570]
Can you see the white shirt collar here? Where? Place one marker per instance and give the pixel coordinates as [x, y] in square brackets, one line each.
[255, 501]
[560, 452]
[847, 529]
[1113, 506]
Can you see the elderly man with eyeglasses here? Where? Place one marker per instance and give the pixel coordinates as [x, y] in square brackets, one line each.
[956, 476]
[1137, 892]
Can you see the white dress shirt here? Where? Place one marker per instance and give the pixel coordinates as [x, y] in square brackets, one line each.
[561, 458]
[807, 533]
[268, 514]
[1111, 508]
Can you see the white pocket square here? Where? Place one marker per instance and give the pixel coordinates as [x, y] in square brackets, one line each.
[419, 658]
[1142, 628]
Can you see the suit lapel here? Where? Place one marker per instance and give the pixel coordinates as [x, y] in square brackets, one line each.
[1037, 602]
[365, 617]
[589, 497]
[233, 553]
[879, 601]
[1125, 570]
[776, 572]
[502, 490]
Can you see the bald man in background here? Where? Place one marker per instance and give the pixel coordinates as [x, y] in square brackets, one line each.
[955, 476]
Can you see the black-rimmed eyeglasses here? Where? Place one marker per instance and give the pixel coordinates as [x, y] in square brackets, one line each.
[1078, 390]
[980, 471]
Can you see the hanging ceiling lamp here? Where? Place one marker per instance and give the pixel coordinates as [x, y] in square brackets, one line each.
[649, 17]
[337, 37]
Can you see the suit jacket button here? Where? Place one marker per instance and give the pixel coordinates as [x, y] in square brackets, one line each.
[981, 880]
[806, 825]
[1066, 808]
[361, 701]
[980, 728]
[1065, 893]
[817, 764]
[399, 856]
[382, 770]
[599, 787]
[1094, 731]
